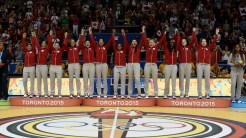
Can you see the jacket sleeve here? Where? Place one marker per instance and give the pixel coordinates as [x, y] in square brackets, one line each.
[81, 42]
[23, 41]
[211, 46]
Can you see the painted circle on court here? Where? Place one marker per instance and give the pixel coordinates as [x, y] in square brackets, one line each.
[148, 125]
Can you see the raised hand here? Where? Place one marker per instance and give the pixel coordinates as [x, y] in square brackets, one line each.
[24, 35]
[113, 32]
[123, 32]
[143, 28]
[194, 29]
[82, 31]
[90, 30]
[217, 30]
[51, 32]
[65, 34]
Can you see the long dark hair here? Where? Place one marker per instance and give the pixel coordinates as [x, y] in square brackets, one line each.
[234, 52]
[171, 48]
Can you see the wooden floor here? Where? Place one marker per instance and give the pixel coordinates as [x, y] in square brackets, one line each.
[121, 122]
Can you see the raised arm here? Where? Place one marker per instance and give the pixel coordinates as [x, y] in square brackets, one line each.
[165, 41]
[23, 42]
[37, 43]
[34, 37]
[65, 41]
[163, 38]
[192, 39]
[197, 45]
[125, 43]
[177, 39]
[113, 41]
[93, 42]
[50, 40]
[109, 42]
[82, 39]
[145, 41]
[211, 46]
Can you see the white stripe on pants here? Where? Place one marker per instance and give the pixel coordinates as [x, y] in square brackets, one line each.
[184, 70]
[74, 69]
[88, 71]
[170, 71]
[236, 79]
[41, 73]
[29, 72]
[55, 71]
[102, 70]
[203, 68]
[119, 73]
[150, 69]
[133, 68]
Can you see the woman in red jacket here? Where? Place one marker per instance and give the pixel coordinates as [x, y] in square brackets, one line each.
[185, 65]
[203, 65]
[29, 65]
[56, 67]
[170, 62]
[41, 67]
[150, 63]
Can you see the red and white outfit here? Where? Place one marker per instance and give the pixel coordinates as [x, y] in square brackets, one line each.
[29, 66]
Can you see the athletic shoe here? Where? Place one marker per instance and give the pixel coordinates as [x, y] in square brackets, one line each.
[51, 96]
[86, 96]
[233, 101]
[207, 96]
[91, 96]
[71, 96]
[45, 96]
[105, 96]
[156, 97]
[114, 97]
[200, 97]
[181, 96]
[25, 95]
[98, 96]
[37, 96]
[122, 97]
[128, 97]
[186, 96]
[30, 96]
[59, 96]
[239, 101]
[146, 97]
[78, 96]
[174, 97]
[139, 97]
[165, 97]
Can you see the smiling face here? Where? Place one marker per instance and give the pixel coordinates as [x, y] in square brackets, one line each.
[134, 43]
[101, 42]
[151, 42]
[29, 47]
[183, 42]
[204, 42]
[73, 43]
[57, 46]
[172, 42]
[87, 43]
[43, 45]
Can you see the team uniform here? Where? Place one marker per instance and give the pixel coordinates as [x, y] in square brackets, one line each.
[101, 65]
[203, 66]
[56, 69]
[185, 67]
[171, 68]
[88, 68]
[119, 69]
[29, 67]
[150, 67]
[133, 65]
[74, 69]
[41, 67]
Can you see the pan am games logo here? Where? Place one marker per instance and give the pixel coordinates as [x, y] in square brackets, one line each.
[131, 124]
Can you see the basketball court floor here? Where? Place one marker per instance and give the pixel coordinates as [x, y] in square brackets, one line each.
[120, 122]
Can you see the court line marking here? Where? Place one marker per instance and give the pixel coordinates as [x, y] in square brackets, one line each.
[114, 123]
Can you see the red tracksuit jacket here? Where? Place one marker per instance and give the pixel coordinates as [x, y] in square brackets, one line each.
[171, 56]
[43, 52]
[29, 55]
[120, 56]
[56, 55]
[88, 52]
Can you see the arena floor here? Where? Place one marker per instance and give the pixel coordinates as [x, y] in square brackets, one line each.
[121, 122]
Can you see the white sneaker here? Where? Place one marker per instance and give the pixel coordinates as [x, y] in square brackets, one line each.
[98, 96]
[187, 96]
[207, 96]
[105, 96]
[122, 97]
[59, 96]
[78, 96]
[51, 96]
[146, 97]
[233, 101]
[30, 96]
[239, 101]
[86, 96]
[114, 97]
[200, 97]
[165, 97]
[128, 97]
[181, 96]
[156, 97]
[45, 96]
[25, 95]
[91, 96]
[174, 97]
[139, 97]
[71, 96]
[37, 96]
